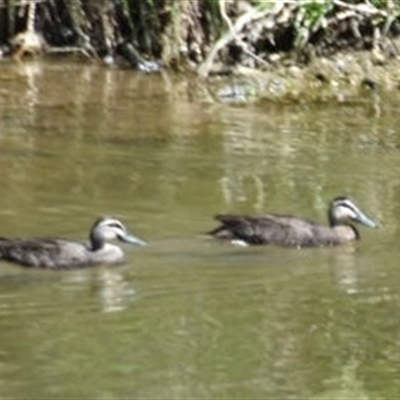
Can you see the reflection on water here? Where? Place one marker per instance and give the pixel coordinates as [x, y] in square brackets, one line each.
[345, 386]
[346, 270]
[115, 292]
[187, 317]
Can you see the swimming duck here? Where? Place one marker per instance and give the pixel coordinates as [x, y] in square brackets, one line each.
[56, 253]
[287, 230]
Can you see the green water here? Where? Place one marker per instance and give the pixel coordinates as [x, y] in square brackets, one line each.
[186, 317]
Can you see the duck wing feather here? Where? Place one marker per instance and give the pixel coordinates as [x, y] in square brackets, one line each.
[284, 230]
[44, 252]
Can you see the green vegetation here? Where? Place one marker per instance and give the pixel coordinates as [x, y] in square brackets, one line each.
[204, 34]
[311, 16]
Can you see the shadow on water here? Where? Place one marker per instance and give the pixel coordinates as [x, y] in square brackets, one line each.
[187, 317]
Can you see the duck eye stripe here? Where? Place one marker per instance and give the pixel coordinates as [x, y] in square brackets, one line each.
[346, 203]
[349, 205]
[115, 225]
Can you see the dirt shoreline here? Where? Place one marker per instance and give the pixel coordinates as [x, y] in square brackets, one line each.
[341, 77]
[244, 50]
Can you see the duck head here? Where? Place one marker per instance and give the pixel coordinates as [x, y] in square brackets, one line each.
[343, 211]
[108, 229]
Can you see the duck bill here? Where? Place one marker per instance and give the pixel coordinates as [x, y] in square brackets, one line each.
[366, 221]
[133, 240]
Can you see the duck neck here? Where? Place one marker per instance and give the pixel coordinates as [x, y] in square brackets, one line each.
[95, 242]
[334, 223]
[332, 220]
[346, 232]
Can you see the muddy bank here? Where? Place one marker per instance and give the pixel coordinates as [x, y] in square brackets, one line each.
[344, 77]
[287, 50]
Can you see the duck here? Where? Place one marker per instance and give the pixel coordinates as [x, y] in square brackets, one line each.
[291, 231]
[59, 253]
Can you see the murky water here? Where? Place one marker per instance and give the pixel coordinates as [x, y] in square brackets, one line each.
[186, 317]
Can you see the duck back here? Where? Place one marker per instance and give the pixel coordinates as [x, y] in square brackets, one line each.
[283, 230]
[44, 252]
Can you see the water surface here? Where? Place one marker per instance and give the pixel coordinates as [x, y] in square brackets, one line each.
[186, 317]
